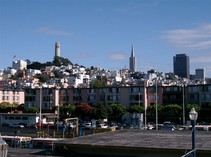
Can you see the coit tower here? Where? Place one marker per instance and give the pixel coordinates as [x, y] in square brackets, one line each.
[57, 49]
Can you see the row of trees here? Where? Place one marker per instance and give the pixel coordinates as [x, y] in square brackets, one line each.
[57, 61]
[171, 112]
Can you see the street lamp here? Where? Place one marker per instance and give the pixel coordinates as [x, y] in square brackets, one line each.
[193, 115]
[183, 104]
[57, 117]
[40, 118]
[156, 103]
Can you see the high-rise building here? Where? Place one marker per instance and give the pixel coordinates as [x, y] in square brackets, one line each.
[181, 65]
[57, 49]
[200, 74]
[132, 61]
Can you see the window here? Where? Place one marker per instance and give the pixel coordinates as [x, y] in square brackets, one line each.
[76, 91]
[17, 118]
[193, 97]
[102, 98]
[152, 98]
[141, 89]
[175, 89]
[103, 91]
[91, 98]
[5, 92]
[152, 89]
[136, 97]
[193, 89]
[208, 97]
[15, 98]
[11, 118]
[24, 118]
[16, 93]
[91, 91]
[168, 89]
[5, 98]
[136, 89]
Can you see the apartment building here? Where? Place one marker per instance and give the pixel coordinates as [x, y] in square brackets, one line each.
[12, 96]
[128, 95]
[143, 95]
[46, 98]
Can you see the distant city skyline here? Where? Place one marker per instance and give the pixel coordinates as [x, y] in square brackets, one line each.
[100, 33]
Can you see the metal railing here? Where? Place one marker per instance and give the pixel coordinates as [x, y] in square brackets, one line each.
[189, 154]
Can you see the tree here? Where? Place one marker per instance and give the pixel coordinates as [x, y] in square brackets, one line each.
[57, 74]
[172, 110]
[66, 111]
[20, 107]
[43, 78]
[28, 61]
[31, 110]
[151, 112]
[101, 111]
[8, 107]
[115, 111]
[5, 107]
[97, 83]
[190, 106]
[71, 109]
[83, 110]
[136, 109]
[58, 61]
[35, 65]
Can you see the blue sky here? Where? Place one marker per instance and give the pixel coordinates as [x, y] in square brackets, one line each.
[101, 32]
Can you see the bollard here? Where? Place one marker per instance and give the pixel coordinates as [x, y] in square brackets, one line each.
[206, 128]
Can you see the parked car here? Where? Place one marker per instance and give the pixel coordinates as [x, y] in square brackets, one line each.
[102, 125]
[5, 124]
[72, 125]
[17, 126]
[87, 125]
[167, 126]
[150, 126]
[24, 124]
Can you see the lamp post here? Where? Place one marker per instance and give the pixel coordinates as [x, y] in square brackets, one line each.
[156, 103]
[193, 115]
[57, 117]
[183, 104]
[40, 118]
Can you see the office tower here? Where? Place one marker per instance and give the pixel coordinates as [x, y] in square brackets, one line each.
[200, 74]
[132, 61]
[181, 66]
[57, 49]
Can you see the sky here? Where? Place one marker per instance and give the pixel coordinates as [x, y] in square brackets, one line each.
[101, 32]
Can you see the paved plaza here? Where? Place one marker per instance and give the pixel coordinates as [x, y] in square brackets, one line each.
[140, 141]
[127, 142]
